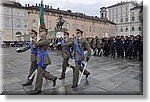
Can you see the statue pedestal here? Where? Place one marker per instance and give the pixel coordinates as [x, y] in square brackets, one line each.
[60, 32]
[57, 33]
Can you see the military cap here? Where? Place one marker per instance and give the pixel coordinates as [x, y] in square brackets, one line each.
[32, 30]
[79, 30]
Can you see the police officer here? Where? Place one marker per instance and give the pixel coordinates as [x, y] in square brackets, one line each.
[42, 60]
[121, 50]
[33, 59]
[67, 53]
[130, 47]
[113, 47]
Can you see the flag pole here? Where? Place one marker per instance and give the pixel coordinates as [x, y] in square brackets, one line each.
[40, 23]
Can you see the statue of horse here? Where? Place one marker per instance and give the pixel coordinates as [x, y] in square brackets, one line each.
[59, 23]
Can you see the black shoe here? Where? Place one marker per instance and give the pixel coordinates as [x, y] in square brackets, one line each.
[26, 84]
[54, 81]
[61, 78]
[87, 75]
[35, 92]
[73, 86]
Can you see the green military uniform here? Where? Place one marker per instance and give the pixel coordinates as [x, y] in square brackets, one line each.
[66, 56]
[84, 45]
[99, 46]
[94, 46]
[33, 65]
[43, 44]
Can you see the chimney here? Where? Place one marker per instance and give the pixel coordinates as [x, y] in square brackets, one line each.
[36, 4]
[58, 8]
[25, 5]
[50, 7]
[28, 5]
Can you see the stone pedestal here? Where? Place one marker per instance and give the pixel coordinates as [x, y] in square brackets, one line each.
[57, 33]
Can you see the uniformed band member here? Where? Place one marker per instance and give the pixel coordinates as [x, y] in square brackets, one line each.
[66, 54]
[33, 59]
[42, 60]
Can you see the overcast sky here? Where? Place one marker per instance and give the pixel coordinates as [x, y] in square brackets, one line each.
[89, 7]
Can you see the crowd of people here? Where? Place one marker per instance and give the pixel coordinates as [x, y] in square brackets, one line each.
[115, 46]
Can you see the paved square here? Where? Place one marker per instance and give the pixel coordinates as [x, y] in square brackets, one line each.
[108, 76]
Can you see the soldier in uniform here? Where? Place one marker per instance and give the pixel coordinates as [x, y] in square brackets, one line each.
[42, 60]
[99, 45]
[94, 46]
[66, 54]
[80, 45]
[33, 59]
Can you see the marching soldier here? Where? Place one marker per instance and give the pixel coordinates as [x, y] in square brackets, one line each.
[66, 54]
[79, 47]
[33, 59]
[43, 60]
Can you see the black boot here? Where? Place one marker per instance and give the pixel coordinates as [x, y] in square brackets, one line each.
[26, 84]
[87, 75]
[35, 92]
[73, 86]
[61, 78]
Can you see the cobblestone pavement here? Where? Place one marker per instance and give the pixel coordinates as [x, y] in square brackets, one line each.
[108, 76]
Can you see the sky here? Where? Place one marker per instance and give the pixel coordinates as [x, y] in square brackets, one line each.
[88, 7]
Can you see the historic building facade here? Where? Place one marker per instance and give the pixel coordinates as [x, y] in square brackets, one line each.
[92, 26]
[18, 20]
[15, 22]
[127, 17]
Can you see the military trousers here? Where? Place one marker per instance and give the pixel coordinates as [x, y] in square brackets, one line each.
[64, 66]
[40, 74]
[76, 73]
[33, 67]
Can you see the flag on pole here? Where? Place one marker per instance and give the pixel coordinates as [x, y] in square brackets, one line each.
[41, 15]
[41, 24]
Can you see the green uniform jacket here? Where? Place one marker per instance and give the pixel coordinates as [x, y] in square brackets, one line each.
[94, 44]
[99, 43]
[65, 52]
[43, 44]
[84, 46]
[33, 57]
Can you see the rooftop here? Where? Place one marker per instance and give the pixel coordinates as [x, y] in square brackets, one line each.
[48, 8]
